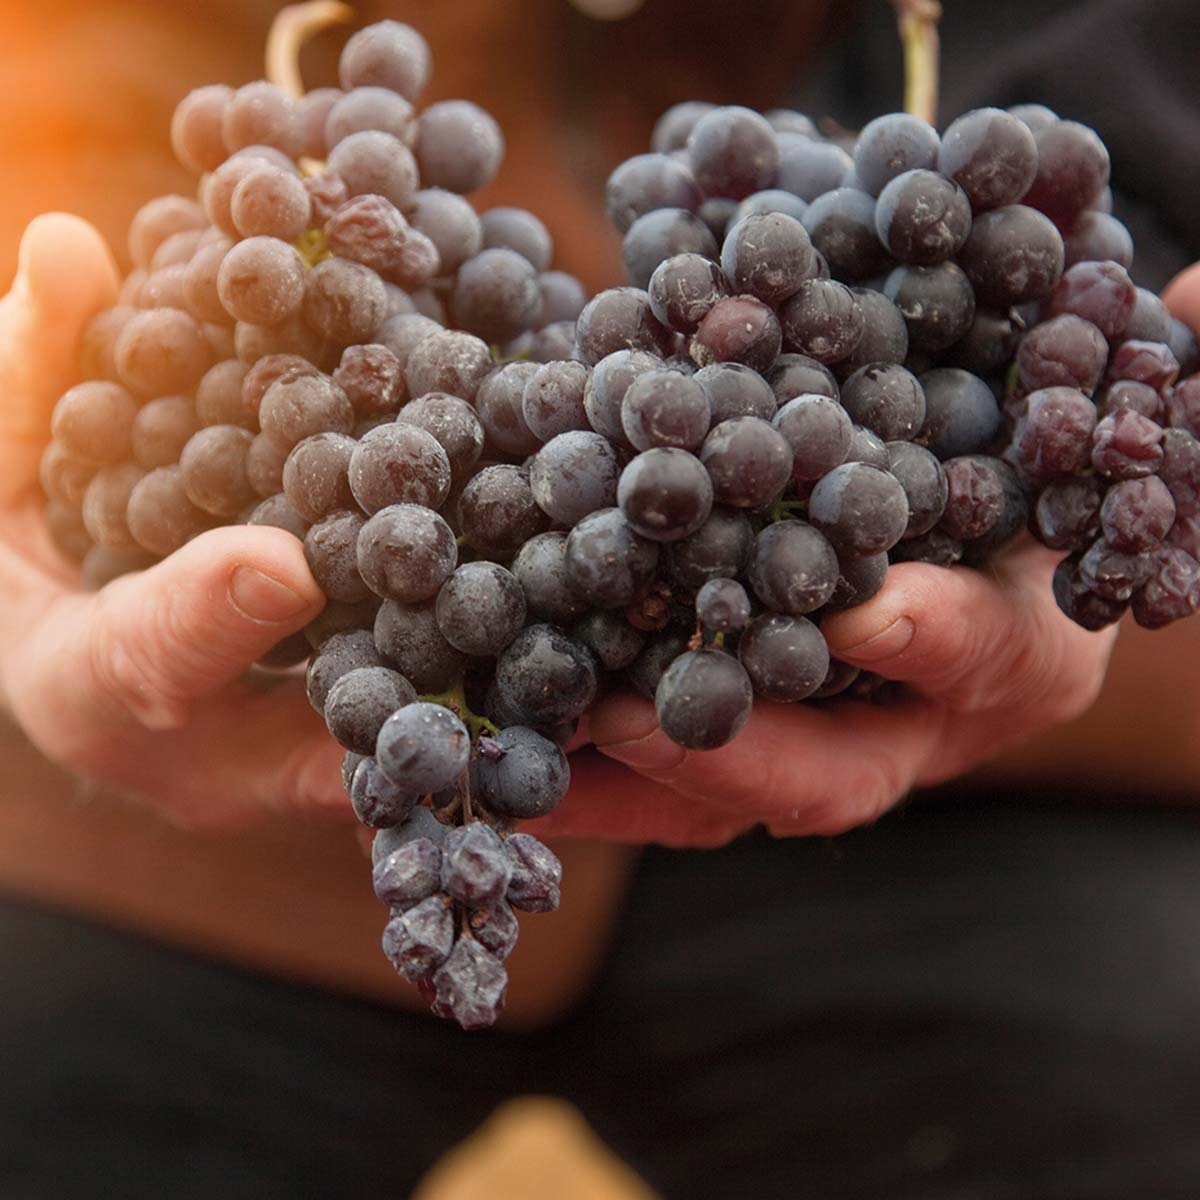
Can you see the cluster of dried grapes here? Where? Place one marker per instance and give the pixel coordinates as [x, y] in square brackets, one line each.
[829, 360]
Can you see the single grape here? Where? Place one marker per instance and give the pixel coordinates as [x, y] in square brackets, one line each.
[922, 217]
[991, 155]
[371, 231]
[748, 461]
[499, 406]
[546, 675]
[1079, 602]
[819, 432]
[1101, 293]
[767, 256]
[924, 482]
[975, 496]
[1137, 514]
[823, 320]
[665, 494]
[409, 637]
[536, 874]
[374, 163]
[419, 941]
[406, 552]
[785, 657]
[665, 408]
[659, 235]
[841, 224]
[315, 475]
[361, 109]
[610, 637]
[794, 569]
[279, 512]
[1112, 574]
[298, 406]
[161, 352]
[423, 747]
[937, 304]
[389, 55]
[330, 548]
[810, 168]
[496, 295]
[619, 319]
[459, 146]
[343, 301]
[1127, 445]
[196, 127]
[769, 200]
[683, 288]
[732, 152]
[1098, 237]
[608, 562]
[961, 413]
[885, 333]
[1013, 255]
[480, 609]
[398, 464]
[1171, 593]
[521, 774]
[573, 475]
[160, 514]
[497, 512]
[735, 390]
[862, 510]
[722, 606]
[470, 985]
[360, 701]
[892, 144]
[720, 548]
[703, 699]
[541, 570]
[1151, 363]
[553, 400]
[1073, 169]
[410, 873]
[94, 421]
[886, 399]
[213, 466]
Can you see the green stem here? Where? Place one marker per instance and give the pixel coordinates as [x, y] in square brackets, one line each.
[918, 21]
[455, 699]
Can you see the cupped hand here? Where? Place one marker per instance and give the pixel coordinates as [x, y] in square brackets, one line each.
[141, 685]
[989, 661]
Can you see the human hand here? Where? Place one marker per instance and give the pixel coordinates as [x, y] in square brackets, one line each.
[989, 660]
[140, 685]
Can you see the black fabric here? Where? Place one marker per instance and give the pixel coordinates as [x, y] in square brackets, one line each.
[979, 997]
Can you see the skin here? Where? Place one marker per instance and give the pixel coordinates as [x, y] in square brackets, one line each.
[128, 684]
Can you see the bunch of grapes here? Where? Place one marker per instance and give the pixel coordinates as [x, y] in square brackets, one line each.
[829, 359]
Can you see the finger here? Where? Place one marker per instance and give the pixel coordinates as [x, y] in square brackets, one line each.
[606, 800]
[1182, 296]
[145, 647]
[65, 275]
[977, 640]
[796, 769]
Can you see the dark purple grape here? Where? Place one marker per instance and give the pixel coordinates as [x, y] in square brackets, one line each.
[738, 329]
[1127, 445]
[536, 874]
[470, 986]
[213, 464]
[1137, 514]
[683, 288]
[344, 301]
[608, 563]
[546, 675]
[1065, 351]
[890, 145]
[975, 496]
[859, 578]
[937, 304]
[1053, 436]
[935, 548]
[961, 413]
[809, 168]
[866, 447]
[794, 569]
[496, 295]
[922, 217]
[1072, 170]
[841, 224]
[1171, 593]
[522, 774]
[604, 393]
[769, 200]
[330, 547]
[360, 701]
[619, 319]
[160, 514]
[540, 567]
[1013, 255]
[574, 474]
[553, 400]
[722, 606]
[1098, 237]
[886, 399]
[650, 665]
[1079, 602]
[480, 609]
[823, 320]
[795, 375]
[409, 637]
[406, 552]
[1066, 515]
[734, 390]
[448, 361]
[315, 475]
[161, 352]
[924, 482]
[862, 510]
[732, 152]
[377, 802]
[196, 127]
[341, 653]
[885, 333]
[991, 155]
[665, 494]
[280, 513]
[498, 513]
[720, 548]
[672, 129]
[424, 747]
[1128, 393]
[748, 460]
[368, 230]
[648, 182]
[610, 637]
[94, 421]
[786, 657]
[703, 699]
[361, 109]
[374, 163]
[767, 256]
[1112, 574]
[453, 425]
[372, 378]
[270, 202]
[389, 55]
[665, 408]
[1151, 363]
[819, 432]
[410, 873]
[659, 235]
[1101, 293]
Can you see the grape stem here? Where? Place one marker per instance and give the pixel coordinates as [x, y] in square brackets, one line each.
[290, 29]
[455, 699]
[917, 21]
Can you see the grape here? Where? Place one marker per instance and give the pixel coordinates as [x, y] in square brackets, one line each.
[270, 202]
[327, 192]
[64, 476]
[748, 461]
[604, 393]
[343, 300]
[419, 941]
[653, 660]
[359, 703]
[1171, 593]
[961, 414]
[645, 183]
[496, 294]
[312, 111]
[886, 399]
[161, 352]
[518, 229]
[160, 514]
[732, 152]
[536, 874]
[1012, 255]
[156, 221]
[480, 609]
[767, 256]
[219, 401]
[265, 460]
[399, 464]
[371, 231]
[859, 578]
[99, 338]
[885, 333]
[470, 985]
[1111, 574]
[448, 361]
[703, 699]
[260, 114]
[683, 288]
[261, 281]
[214, 469]
[659, 235]
[738, 329]
[720, 548]
[1151, 363]
[862, 510]
[389, 55]
[794, 568]
[409, 637]
[330, 550]
[495, 929]
[280, 513]
[377, 164]
[1150, 321]
[521, 774]
[546, 675]
[665, 494]
[541, 569]
[975, 496]
[315, 475]
[937, 304]
[459, 146]
[841, 225]
[196, 127]
[177, 250]
[366, 108]
[1137, 514]
[498, 513]
[562, 295]
[410, 873]
[1072, 170]
[1101, 293]
[105, 504]
[1128, 393]
[823, 320]
[452, 423]
[1127, 445]
[574, 474]
[664, 408]
[423, 747]
[1079, 602]
[405, 552]
[865, 447]
[372, 378]
[786, 658]
[735, 390]
[607, 562]
[719, 214]
[1064, 351]
[1098, 237]
[1183, 344]
[991, 155]
[1054, 434]
[499, 406]
[610, 637]
[341, 653]
[553, 400]
[819, 432]
[451, 225]
[297, 406]
[769, 200]
[936, 548]
[722, 606]
[266, 371]
[94, 421]
[201, 294]
[922, 217]
[810, 168]
[1066, 515]
[924, 482]
[619, 319]
[892, 144]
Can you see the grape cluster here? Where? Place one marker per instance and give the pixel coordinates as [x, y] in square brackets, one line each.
[830, 358]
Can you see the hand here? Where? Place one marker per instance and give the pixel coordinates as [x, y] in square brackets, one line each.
[139, 685]
[989, 660]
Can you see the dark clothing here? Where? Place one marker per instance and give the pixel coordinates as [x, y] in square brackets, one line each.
[985, 998]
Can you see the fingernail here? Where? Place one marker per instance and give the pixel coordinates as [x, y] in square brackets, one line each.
[881, 646]
[654, 752]
[261, 598]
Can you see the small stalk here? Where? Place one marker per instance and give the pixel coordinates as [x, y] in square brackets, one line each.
[917, 21]
[290, 29]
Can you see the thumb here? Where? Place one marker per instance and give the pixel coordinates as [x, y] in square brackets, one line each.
[1182, 296]
[147, 645]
